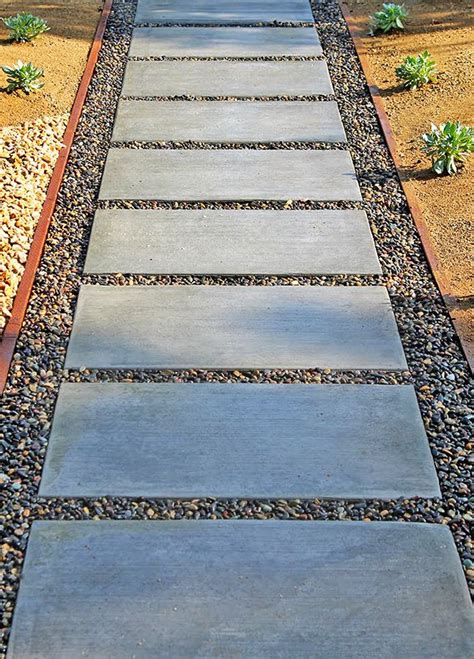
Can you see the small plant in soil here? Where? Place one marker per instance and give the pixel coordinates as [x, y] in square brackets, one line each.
[25, 27]
[23, 76]
[448, 145]
[417, 70]
[389, 18]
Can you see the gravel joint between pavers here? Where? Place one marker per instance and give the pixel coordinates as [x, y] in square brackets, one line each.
[232, 25]
[231, 146]
[260, 99]
[228, 58]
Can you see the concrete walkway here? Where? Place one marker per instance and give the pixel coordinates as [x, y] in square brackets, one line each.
[235, 588]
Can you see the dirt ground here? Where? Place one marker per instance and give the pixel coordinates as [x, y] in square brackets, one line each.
[445, 28]
[61, 52]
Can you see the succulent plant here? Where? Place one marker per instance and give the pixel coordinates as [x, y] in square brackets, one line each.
[448, 146]
[23, 76]
[389, 18]
[25, 27]
[417, 70]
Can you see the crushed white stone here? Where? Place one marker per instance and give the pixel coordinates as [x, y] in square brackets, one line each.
[28, 153]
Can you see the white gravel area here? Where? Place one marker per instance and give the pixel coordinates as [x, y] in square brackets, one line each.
[28, 153]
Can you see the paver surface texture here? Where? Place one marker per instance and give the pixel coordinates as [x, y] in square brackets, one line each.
[225, 42]
[229, 175]
[229, 327]
[261, 441]
[222, 121]
[241, 588]
[226, 78]
[231, 242]
[235, 12]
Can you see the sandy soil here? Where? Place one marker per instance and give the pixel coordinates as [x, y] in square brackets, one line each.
[444, 28]
[61, 52]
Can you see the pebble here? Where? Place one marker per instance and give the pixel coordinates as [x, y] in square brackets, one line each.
[28, 153]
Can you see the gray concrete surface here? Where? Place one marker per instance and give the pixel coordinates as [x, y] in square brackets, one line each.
[226, 78]
[241, 588]
[234, 327]
[231, 242]
[228, 121]
[229, 175]
[232, 12]
[238, 440]
[225, 42]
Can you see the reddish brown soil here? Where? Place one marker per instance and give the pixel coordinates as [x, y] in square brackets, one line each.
[445, 28]
[61, 52]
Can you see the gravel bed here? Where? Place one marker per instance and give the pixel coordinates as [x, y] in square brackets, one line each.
[275, 376]
[261, 58]
[233, 25]
[124, 279]
[28, 153]
[233, 146]
[289, 204]
[190, 97]
[437, 367]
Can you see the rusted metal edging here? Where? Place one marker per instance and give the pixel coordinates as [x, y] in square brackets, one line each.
[415, 210]
[13, 327]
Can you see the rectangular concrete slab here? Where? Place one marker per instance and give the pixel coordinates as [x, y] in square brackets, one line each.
[231, 242]
[234, 327]
[225, 42]
[227, 12]
[241, 588]
[226, 78]
[229, 175]
[226, 121]
[238, 440]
